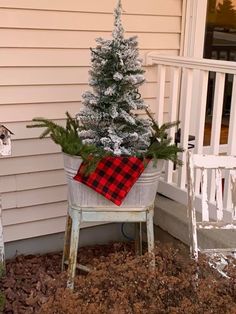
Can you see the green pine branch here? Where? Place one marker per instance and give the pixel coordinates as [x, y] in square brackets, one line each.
[66, 137]
[160, 132]
[161, 147]
[69, 141]
[164, 150]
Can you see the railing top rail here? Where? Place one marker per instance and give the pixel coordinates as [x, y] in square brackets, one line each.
[192, 63]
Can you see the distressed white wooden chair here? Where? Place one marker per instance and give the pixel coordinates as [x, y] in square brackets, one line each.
[212, 185]
[77, 215]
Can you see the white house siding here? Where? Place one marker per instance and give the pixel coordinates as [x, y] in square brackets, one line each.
[44, 63]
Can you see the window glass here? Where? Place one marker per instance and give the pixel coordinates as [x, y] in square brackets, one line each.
[220, 44]
[220, 36]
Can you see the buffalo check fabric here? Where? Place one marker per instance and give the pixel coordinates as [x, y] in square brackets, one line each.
[113, 177]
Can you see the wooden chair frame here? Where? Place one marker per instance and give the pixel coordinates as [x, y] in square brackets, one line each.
[209, 188]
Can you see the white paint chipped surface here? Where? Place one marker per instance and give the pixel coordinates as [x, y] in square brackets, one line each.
[220, 261]
[219, 195]
[191, 208]
[217, 225]
[205, 209]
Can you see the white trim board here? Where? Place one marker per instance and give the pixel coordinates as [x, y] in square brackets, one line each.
[195, 21]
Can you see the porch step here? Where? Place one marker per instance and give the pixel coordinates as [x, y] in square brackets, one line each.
[172, 217]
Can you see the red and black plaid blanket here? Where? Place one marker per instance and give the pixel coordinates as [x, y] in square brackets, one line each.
[113, 177]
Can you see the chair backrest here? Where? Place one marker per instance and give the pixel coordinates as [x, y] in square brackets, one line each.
[213, 180]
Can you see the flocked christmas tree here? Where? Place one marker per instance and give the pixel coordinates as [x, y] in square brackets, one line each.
[107, 119]
[107, 123]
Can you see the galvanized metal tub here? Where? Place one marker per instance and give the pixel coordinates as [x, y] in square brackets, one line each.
[141, 194]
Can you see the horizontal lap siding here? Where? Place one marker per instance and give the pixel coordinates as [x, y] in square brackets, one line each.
[150, 7]
[44, 63]
[53, 75]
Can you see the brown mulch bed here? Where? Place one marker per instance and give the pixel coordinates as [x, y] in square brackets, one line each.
[120, 283]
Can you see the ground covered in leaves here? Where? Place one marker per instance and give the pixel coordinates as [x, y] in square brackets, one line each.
[119, 283]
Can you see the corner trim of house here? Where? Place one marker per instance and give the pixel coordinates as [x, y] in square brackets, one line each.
[194, 30]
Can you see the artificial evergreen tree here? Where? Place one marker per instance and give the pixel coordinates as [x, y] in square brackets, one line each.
[107, 125]
[107, 119]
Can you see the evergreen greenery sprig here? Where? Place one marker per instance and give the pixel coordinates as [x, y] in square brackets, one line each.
[69, 141]
[161, 144]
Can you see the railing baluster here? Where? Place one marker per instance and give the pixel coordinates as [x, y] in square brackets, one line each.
[173, 109]
[185, 109]
[161, 81]
[201, 102]
[217, 112]
[216, 126]
[232, 123]
[200, 126]
[231, 145]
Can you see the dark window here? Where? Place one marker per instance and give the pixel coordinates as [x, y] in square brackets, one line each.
[220, 44]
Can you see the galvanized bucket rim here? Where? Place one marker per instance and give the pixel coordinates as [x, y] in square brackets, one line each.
[151, 160]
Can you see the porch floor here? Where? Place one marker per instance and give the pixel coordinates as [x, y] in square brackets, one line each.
[172, 218]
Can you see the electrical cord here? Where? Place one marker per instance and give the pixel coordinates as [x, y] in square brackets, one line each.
[124, 234]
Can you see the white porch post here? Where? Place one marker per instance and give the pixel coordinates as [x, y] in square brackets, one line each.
[194, 33]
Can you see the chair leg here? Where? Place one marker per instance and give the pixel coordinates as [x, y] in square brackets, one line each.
[138, 238]
[150, 235]
[191, 208]
[194, 244]
[66, 248]
[76, 220]
[193, 230]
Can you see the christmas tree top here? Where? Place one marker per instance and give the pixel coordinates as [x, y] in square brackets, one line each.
[118, 32]
[108, 119]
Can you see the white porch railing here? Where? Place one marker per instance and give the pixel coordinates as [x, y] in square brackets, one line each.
[188, 79]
